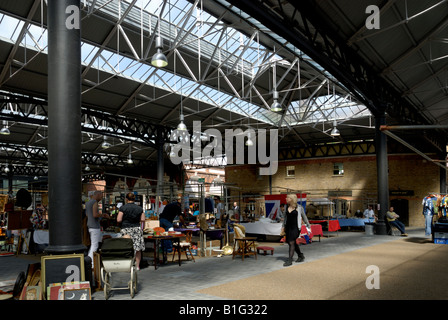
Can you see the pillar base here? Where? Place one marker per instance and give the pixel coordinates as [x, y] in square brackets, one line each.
[61, 249]
[381, 228]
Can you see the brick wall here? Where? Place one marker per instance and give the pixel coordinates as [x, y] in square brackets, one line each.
[316, 178]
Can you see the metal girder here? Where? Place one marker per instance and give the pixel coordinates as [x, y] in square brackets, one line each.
[327, 150]
[28, 110]
[305, 29]
[324, 46]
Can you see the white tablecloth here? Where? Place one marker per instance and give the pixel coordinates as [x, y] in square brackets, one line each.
[41, 236]
[263, 227]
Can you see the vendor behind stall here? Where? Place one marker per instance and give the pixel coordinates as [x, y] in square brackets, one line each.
[170, 212]
[166, 218]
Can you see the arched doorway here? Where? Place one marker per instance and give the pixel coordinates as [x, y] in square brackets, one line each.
[401, 207]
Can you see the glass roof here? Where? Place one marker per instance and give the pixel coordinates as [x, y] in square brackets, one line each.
[184, 24]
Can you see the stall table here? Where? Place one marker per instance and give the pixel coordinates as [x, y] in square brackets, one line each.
[175, 238]
[354, 222]
[188, 232]
[274, 229]
[332, 225]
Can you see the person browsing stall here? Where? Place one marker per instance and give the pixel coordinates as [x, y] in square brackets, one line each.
[93, 222]
[219, 211]
[131, 216]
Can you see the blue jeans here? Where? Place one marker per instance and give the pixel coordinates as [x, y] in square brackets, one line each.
[166, 244]
[428, 224]
[399, 225]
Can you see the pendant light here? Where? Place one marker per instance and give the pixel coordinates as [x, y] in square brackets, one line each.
[159, 60]
[105, 144]
[335, 132]
[129, 161]
[276, 106]
[249, 141]
[181, 126]
[5, 131]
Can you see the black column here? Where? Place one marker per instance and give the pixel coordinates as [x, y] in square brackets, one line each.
[160, 166]
[442, 157]
[64, 127]
[382, 165]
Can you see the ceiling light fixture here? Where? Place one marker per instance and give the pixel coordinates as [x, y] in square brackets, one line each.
[335, 132]
[181, 126]
[249, 141]
[5, 131]
[159, 60]
[105, 144]
[129, 161]
[275, 107]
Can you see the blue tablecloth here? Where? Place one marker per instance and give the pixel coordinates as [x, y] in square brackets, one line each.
[353, 222]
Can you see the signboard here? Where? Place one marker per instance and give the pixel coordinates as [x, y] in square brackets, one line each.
[408, 193]
[62, 268]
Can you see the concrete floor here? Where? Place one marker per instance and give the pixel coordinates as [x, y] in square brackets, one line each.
[411, 268]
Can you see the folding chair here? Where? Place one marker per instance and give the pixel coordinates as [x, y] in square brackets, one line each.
[392, 229]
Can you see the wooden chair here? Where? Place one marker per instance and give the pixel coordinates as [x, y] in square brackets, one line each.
[185, 247]
[242, 245]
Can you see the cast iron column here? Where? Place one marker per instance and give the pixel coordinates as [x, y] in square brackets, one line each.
[160, 167]
[382, 165]
[442, 174]
[64, 127]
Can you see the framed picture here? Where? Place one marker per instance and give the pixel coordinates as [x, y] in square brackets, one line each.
[77, 294]
[62, 268]
[31, 293]
[97, 269]
[55, 291]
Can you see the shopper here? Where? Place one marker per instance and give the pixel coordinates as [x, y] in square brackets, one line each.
[281, 213]
[236, 211]
[131, 216]
[219, 215]
[93, 222]
[428, 213]
[292, 225]
[392, 218]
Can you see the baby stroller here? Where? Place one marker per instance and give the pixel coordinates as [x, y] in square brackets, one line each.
[117, 255]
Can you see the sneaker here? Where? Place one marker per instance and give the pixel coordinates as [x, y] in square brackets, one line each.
[404, 234]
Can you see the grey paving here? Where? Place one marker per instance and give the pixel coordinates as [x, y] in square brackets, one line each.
[174, 282]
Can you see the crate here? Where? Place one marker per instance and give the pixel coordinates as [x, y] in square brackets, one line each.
[440, 235]
[440, 241]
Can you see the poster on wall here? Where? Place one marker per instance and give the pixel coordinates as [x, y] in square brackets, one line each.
[272, 203]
